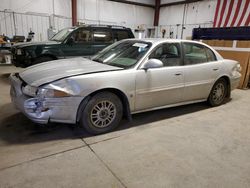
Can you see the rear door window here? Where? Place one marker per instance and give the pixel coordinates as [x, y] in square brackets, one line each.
[120, 34]
[82, 35]
[194, 54]
[210, 55]
[104, 36]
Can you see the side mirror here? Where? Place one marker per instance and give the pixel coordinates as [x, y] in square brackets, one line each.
[152, 63]
[70, 41]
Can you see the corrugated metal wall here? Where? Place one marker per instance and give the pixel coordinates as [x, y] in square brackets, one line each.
[22, 15]
[198, 14]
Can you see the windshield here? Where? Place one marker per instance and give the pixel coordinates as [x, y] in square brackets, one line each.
[62, 34]
[123, 54]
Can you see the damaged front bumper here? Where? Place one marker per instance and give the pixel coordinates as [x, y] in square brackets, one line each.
[44, 110]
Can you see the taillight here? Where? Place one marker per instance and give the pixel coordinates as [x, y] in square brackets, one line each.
[237, 67]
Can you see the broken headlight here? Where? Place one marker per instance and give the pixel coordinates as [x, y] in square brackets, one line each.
[50, 93]
[29, 90]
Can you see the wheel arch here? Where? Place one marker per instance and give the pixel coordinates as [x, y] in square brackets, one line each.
[228, 94]
[227, 79]
[117, 92]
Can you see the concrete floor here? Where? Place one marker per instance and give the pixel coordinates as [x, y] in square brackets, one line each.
[189, 146]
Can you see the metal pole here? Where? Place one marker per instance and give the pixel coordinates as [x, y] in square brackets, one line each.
[14, 22]
[157, 12]
[74, 12]
[182, 25]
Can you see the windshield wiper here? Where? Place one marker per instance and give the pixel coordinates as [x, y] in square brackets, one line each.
[97, 60]
[117, 65]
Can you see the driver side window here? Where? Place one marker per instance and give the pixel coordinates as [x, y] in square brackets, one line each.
[82, 36]
[168, 53]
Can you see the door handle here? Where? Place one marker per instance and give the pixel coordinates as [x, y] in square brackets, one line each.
[177, 74]
[215, 69]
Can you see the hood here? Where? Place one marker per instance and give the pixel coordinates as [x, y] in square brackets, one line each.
[48, 72]
[27, 44]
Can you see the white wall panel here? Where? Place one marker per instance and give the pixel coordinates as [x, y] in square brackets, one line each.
[171, 15]
[41, 6]
[90, 10]
[81, 9]
[144, 15]
[62, 7]
[62, 22]
[6, 24]
[198, 14]
[206, 11]
[113, 13]
[33, 15]
[117, 12]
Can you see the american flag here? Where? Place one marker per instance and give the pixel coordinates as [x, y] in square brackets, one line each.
[232, 13]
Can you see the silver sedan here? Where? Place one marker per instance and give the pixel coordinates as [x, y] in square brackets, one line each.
[128, 77]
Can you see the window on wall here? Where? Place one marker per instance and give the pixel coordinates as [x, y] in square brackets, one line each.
[168, 53]
[102, 36]
[82, 35]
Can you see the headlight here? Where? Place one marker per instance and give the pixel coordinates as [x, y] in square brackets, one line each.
[19, 52]
[29, 90]
[50, 93]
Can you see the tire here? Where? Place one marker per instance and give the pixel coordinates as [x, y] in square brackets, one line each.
[42, 59]
[218, 93]
[102, 113]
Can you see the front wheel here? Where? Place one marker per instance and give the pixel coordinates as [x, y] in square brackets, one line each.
[102, 113]
[218, 93]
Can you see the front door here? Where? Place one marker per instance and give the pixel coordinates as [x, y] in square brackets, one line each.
[79, 44]
[158, 87]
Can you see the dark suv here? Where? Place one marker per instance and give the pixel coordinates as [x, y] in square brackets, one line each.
[75, 41]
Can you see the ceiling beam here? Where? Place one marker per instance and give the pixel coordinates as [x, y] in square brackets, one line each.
[179, 3]
[133, 3]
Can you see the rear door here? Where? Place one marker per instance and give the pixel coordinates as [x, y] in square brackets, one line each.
[200, 70]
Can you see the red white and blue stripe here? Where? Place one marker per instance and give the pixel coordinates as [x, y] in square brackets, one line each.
[232, 13]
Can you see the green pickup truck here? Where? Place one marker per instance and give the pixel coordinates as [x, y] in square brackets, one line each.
[83, 41]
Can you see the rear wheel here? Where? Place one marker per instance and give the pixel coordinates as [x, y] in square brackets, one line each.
[102, 113]
[218, 93]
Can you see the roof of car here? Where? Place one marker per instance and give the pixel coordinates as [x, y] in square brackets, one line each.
[156, 41]
[101, 26]
[159, 40]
